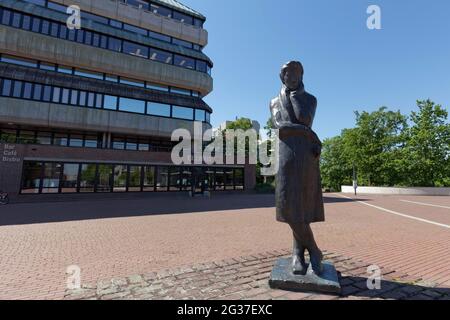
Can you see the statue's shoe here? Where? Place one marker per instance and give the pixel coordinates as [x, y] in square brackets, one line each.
[316, 262]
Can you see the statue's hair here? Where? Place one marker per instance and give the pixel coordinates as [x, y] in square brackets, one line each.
[296, 66]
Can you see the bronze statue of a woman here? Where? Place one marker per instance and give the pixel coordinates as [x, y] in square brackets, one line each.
[299, 199]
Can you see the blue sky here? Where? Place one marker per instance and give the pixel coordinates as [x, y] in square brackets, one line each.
[347, 66]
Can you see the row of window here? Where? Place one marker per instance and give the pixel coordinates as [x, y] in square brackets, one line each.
[59, 30]
[119, 25]
[94, 75]
[58, 177]
[54, 94]
[56, 138]
[83, 140]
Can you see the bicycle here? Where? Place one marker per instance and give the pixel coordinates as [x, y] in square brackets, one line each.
[4, 198]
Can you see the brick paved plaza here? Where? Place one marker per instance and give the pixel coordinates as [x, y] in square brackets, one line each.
[222, 247]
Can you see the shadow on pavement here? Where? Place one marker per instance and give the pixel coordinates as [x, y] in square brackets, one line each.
[357, 287]
[76, 210]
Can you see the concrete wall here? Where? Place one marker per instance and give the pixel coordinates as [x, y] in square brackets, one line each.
[116, 10]
[399, 191]
[43, 114]
[36, 46]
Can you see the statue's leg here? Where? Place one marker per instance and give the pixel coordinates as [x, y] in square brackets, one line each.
[305, 237]
[299, 265]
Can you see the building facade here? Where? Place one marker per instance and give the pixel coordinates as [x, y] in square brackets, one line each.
[92, 110]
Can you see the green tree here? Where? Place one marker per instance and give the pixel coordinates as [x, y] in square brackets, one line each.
[428, 146]
[336, 168]
[374, 146]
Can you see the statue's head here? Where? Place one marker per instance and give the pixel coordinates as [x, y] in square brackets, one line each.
[292, 75]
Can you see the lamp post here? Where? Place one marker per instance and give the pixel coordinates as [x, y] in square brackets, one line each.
[355, 179]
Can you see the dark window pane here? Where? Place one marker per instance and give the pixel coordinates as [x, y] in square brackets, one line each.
[110, 102]
[37, 92]
[44, 138]
[116, 24]
[198, 23]
[135, 49]
[96, 40]
[135, 29]
[6, 16]
[163, 11]
[26, 23]
[74, 97]
[87, 177]
[91, 99]
[182, 113]
[184, 62]
[174, 179]
[63, 32]
[132, 144]
[17, 90]
[61, 139]
[103, 41]
[88, 38]
[19, 61]
[65, 96]
[186, 178]
[134, 184]
[8, 135]
[159, 36]
[220, 179]
[80, 36]
[16, 20]
[56, 95]
[6, 88]
[99, 101]
[71, 34]
[183, 17]
[54, 29]
[27, 137]
[199, 115]
[76, 140]
[161, 56]
[69, 181]
[47, 93]
[201, 66]
[239, 178]
[182, 43]
[132, 105]
[57, 7]
[133, 83]
[45, 28]
[158, 109]
[36, 24]
[115, 44]
[27, 90]
[91, 142]
[82, 98]
[50, 181]
[149, 178]
[118, 143]
[104, 178]
[162, 179]
[31, 177]
[47, 66]
[120, 178]
[88, 74]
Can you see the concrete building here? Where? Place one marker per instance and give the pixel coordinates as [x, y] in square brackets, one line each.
[91, 111]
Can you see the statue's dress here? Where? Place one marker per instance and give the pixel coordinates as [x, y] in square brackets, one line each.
[298, 184]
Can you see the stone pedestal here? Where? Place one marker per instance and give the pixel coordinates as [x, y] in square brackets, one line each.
[283, 278]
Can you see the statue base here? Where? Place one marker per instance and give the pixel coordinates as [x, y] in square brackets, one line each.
[283, 278]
